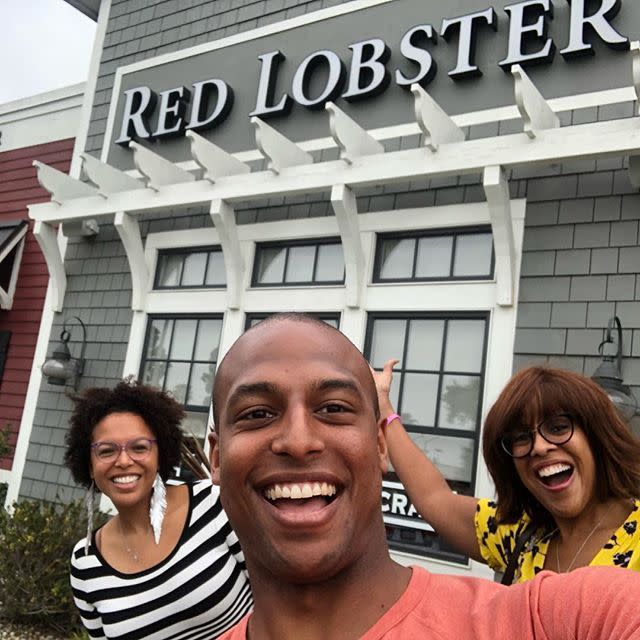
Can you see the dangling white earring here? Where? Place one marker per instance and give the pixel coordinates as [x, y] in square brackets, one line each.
[88, 503]
[157, 507]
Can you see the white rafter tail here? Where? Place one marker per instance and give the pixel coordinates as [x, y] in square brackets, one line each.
[496, 189]
[352, 140]
[224, 220]
[158, 171]
[345, 207]
[435, 123]
[534, 109]
[279, 151]
[129, 232]
[635, 71]
[215, 162]
[60, 185]
[47, 238]
[107, 178]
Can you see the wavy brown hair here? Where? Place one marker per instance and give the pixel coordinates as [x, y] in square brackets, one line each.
[160, 411]
[536, 393]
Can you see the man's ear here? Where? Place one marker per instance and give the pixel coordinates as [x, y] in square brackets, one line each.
[214, 457]
[383, 452]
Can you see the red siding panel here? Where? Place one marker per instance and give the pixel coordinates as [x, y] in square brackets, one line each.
[18, 188]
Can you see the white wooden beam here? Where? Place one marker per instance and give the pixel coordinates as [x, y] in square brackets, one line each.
[345, 207]
[352, 140]
[533, 108]
[436, 125]
[157, 171]
[60, 185]
[223, 216]
[129, 232]
[107, 178]
[215, 162]
[46, 235]
[588, 141]
[496, 188]
[278, 150]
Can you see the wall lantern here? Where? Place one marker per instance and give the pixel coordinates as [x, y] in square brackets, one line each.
[61, 369]
[609, 374]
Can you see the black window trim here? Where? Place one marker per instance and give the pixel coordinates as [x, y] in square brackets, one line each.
[185, 251]
[287, 244]
[417, 234]
[262, 315]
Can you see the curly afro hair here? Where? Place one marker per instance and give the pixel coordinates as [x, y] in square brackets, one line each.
[161, 412]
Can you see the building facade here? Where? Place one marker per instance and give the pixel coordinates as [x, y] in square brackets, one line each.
[454, 186]
[41, 127]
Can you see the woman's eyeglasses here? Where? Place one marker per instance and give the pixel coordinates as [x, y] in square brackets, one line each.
[137, 449]
[557, 429]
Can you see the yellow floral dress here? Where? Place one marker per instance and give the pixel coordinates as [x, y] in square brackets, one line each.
[496, 542]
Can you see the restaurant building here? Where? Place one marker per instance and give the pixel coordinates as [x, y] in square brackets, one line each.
[452, 184]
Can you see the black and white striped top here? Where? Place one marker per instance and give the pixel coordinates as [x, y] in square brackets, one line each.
[198, 591]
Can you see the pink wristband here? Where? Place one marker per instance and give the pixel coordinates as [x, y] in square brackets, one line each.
[390, 418]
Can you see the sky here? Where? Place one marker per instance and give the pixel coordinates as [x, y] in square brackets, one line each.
[45, 45]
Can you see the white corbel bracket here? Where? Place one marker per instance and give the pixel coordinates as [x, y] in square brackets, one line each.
[436, 125]
[534, 109]
[352, 140]
[345, 207]
[47, 238]
[60, 185]
[107, 178]
[278, 150]
[496, 189]
[215, 162]
[157, 171]
[635, 71]
[224, 220]
[129, 232]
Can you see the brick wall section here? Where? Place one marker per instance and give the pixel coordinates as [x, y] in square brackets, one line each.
[18, 187]
[581, 248]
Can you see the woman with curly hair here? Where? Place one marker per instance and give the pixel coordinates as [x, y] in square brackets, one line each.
[168, 564]
[566, 470]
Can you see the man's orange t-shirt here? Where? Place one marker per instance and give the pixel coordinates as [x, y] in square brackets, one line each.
[594, 603]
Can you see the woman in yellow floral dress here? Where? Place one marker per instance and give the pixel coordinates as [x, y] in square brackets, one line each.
[566, 469]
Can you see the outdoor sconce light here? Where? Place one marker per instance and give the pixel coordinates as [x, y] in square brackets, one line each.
[61, 369]
[609, 374]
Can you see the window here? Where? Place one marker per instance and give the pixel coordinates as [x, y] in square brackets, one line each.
[437, 389]
[440, 255]
[190, 268]
[12, 235]
[253, 319]
[299, 263]
[180, 356]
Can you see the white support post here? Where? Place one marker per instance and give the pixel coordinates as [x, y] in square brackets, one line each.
[158, 171]
[346, 209]
[434, 122]
[47, 238]
[635, 71]
[496, 188]
[534, 109]
[107, 178]
[224, 220]
[60, 185]
[279, 151]
[129, 232]
[215, 162]
[352, 140]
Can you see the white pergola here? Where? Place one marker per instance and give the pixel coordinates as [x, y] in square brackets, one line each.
[362, 162]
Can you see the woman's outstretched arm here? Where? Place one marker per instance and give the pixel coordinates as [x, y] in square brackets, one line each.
[450, 514]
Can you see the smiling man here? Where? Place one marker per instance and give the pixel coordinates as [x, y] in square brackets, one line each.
[299, 452]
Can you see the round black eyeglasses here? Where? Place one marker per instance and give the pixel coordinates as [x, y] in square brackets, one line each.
[556, 429]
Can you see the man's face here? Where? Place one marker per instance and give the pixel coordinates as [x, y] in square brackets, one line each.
[299, 454]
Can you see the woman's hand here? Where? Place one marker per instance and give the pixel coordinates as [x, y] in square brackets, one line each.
[383, 380]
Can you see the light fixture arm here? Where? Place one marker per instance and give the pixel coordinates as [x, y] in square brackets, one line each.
[615, 321]
[80, 360]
